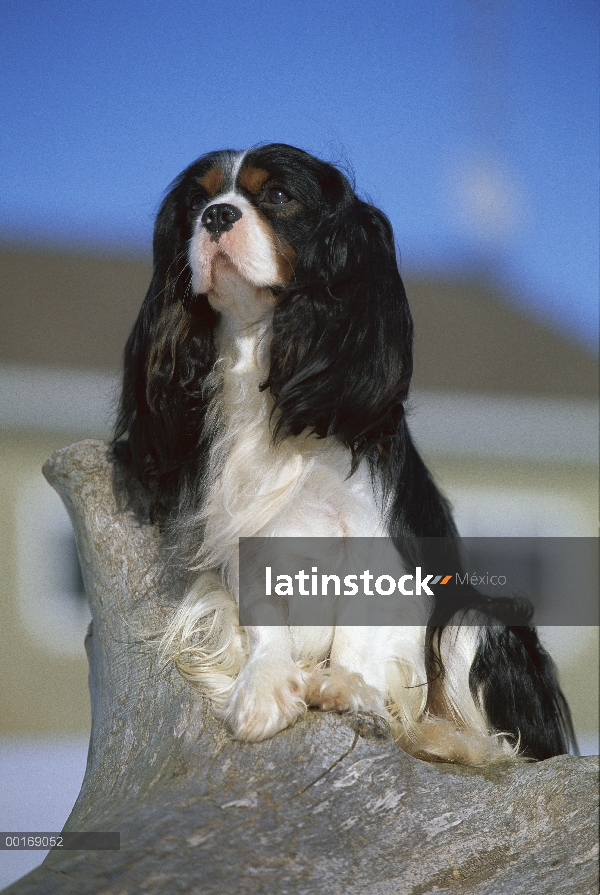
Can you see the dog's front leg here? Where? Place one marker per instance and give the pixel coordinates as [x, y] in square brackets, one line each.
[269, 692]
[355, 677]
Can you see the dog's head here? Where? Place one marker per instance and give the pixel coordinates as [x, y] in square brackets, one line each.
[324, 265]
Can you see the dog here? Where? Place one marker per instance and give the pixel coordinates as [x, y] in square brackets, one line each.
[264, 393]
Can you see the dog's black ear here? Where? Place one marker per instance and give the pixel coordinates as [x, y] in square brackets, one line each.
[167, 357]
[341, 351]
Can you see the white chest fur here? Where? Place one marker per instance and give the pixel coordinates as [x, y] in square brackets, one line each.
[300, 487]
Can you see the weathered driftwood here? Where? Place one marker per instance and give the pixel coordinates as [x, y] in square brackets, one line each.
[330, 805]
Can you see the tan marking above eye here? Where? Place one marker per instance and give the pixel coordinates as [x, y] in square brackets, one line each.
[253, 179]
[213, 181]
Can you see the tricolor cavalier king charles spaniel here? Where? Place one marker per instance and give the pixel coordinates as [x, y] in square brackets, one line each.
[264, 395]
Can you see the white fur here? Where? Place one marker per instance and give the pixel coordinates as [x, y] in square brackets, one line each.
[249, 246]
[262, 678]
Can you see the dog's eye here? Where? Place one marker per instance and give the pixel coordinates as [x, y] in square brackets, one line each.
[197, 202]
[277, 196]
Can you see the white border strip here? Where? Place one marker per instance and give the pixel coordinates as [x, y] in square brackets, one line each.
[461, 425]
[47, 399]
[510, 427]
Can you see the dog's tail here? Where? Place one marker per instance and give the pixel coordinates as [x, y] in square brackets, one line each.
[515, 681]
[512, 678]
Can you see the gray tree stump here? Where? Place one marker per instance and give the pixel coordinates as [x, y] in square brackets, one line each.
[329, 806]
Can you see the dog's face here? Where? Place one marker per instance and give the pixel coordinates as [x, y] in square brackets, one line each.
[243, 216]
[252, 214]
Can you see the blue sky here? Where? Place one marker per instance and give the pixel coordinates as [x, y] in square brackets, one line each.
[473, 124]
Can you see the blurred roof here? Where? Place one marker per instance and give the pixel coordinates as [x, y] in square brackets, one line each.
[72, 310]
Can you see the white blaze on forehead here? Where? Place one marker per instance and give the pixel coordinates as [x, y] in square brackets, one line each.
[237, 164]
[249, 245]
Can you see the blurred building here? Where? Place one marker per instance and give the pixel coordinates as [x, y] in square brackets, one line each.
[504, 410]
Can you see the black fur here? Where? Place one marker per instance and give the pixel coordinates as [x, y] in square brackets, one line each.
[340, 365]
[520, 691]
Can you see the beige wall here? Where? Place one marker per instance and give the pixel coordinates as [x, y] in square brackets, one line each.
[42, 692]
[576, 484]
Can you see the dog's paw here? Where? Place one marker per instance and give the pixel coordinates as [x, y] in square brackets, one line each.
[335, 689]
[268, 696]
[438, 739]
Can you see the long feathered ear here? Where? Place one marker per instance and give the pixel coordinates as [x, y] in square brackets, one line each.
[341, 350]
[167, 357]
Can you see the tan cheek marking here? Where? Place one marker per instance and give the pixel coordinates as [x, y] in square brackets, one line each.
[213, 181]
[253, 179]
[287, 209]
[286, 257]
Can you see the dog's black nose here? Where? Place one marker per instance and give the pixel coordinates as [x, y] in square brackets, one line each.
[218, 219]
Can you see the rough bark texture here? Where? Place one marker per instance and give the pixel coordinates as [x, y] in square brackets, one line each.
[329, 806]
